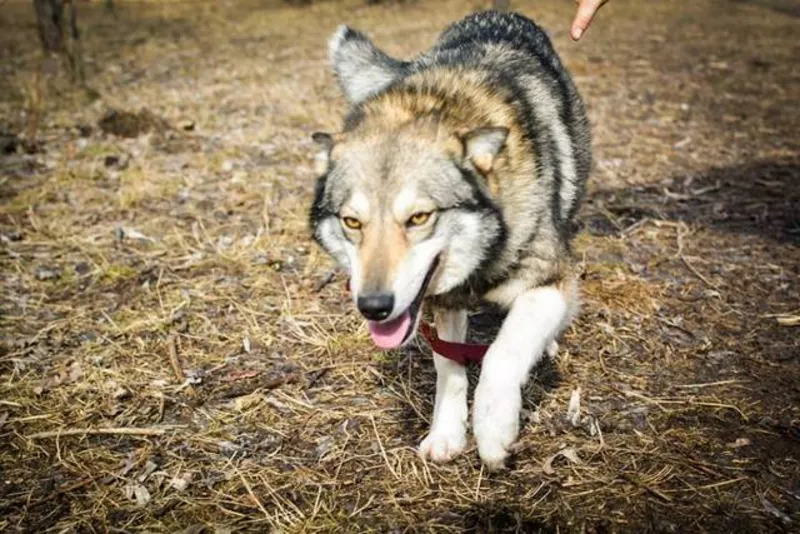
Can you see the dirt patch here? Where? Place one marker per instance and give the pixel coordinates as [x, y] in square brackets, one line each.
[128, 124]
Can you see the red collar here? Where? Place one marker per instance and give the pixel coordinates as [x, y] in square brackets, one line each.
[461, 353]
[458, 352]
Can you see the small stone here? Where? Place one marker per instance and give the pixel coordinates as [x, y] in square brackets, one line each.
[740, 442]
[47, 273]
[84, 130]
[82, 268]
[11, 235]
[228, 448]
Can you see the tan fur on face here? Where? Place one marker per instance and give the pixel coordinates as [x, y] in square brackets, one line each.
[444, 106]
[384, 244]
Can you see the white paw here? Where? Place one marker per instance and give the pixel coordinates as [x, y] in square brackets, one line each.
[443, 446]
[552, 349]
[495, 422]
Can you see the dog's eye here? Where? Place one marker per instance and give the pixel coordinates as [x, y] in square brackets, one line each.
[418, 219]
[350, 222]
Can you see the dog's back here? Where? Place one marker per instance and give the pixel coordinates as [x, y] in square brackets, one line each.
[518, 56]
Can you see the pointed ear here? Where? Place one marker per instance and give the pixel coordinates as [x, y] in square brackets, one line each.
[322, 158]
[483, 145]
[361, 68]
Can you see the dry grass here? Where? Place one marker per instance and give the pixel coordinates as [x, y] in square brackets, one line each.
[173, 358]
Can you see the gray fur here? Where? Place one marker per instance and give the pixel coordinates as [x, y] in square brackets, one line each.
[526, 230]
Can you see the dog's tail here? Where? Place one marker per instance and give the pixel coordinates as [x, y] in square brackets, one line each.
[361, 68]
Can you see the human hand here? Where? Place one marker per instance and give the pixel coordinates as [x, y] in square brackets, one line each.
[584, 16]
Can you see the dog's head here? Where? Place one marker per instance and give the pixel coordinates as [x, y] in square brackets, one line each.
[406, 211]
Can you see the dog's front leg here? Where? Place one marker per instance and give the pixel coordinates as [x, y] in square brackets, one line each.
[448, 434]
[533, 322]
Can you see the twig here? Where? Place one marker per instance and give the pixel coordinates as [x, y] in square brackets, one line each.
[646, 399]
[327, 279]
[315, 376]
[708, 384]
[478, 484]
[644, 486]
[362, 508]
[789, 321]
[255, 499]
[723, 483]
[172, 346]
[25, 499]
[685, 261]
[678, 327]
[278, 381]
[383, 451]
[696, 272]
[125, 431]
[633, 227]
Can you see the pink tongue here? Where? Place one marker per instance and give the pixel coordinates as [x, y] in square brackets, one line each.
[391, 334]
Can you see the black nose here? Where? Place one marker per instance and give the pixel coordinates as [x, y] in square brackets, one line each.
[376, 306]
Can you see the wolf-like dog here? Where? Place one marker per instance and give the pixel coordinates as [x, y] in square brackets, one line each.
[455, 180]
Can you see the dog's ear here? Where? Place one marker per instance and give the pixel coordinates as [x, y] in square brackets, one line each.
[482, 146]
[360, 67]
[322, 158]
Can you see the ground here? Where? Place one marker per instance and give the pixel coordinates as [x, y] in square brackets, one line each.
[162, 287]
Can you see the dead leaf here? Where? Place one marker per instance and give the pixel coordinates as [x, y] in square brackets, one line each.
[246, 401]
[137, 492]
[568, 453]
[324, 446]
[130, 463]
[181, 482]
[148, 469]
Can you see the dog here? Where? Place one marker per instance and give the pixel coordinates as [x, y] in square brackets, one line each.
[455, 181]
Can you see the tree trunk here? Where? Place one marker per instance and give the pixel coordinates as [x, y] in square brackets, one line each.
[75, 52]
[50, 19]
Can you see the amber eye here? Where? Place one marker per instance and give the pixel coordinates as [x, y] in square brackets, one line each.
[418, 219]
[350, 222]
